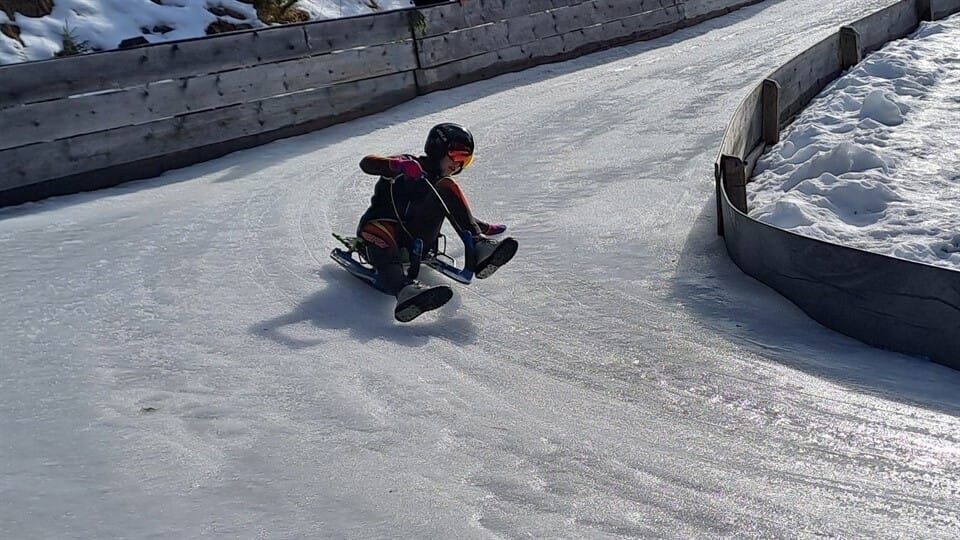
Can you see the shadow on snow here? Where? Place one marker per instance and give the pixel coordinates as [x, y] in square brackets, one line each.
[754, 316]
[347, 304]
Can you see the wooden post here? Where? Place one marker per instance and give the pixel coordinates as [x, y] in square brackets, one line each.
[850, 52]
[718, 181]
[735, 181]
[770, 99]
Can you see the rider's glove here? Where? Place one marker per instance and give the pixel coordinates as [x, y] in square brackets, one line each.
[408, 167]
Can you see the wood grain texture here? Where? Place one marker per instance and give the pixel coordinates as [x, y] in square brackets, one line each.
[58, 78]
[616, 19]
[51, 120]
[547, 48]
[113, 147]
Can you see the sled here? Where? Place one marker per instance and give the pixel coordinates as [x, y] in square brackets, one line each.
[352, 257]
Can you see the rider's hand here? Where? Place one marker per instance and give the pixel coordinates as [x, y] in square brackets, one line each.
[408, 167]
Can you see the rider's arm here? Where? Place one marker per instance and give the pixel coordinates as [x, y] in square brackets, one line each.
[377, 165]
[456, 203]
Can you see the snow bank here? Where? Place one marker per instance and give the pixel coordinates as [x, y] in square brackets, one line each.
[103, 24]
[874, 161]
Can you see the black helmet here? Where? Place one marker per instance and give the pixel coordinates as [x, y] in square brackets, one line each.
[447, 137]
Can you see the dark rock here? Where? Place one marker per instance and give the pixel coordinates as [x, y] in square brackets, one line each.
[220, 26]
[12, 31]
[27, 8]
[158, 29]
[129, 43]
[221, 11]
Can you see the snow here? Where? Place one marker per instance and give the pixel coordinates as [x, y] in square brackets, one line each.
[103, 24]
[179, 358]
[874, 161]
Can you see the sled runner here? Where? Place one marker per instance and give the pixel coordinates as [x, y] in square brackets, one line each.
[354, 261]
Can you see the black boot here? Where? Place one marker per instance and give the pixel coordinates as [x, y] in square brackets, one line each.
[416, 298]
[492, 254]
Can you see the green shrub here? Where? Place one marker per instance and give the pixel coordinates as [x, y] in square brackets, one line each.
[70, 45]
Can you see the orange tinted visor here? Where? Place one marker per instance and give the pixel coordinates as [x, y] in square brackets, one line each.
[461, 157]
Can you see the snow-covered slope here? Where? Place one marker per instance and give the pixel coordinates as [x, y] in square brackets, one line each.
[179, 358]
[104, 24]
[874, 161]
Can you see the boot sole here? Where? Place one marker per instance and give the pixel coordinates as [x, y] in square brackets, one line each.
[423, 302]
[501, 256]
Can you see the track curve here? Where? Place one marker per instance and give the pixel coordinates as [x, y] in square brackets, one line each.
[183, 344]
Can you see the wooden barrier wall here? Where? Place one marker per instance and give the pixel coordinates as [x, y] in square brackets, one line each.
[883, 301]
[90, 121]
[483, 38]
[87, 113]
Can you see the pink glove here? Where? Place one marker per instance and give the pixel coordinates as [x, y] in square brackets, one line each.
[408, 167]
[493, 229]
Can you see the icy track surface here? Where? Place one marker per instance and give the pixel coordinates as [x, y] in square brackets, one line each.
[179, 358]
[874, 161]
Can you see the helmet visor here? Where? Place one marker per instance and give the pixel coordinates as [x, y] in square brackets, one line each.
[461, 157]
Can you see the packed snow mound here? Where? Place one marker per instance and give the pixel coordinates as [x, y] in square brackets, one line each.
[874, 161]
[77, 26]
[882, 107]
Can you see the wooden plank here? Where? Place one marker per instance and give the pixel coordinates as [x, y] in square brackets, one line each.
[613, 10]
[577, 17]
[704, 9]
[633, 27]
[453, 18]
[645, 25]
[366, 30]
[548, 49]
[31, 82]
[448, 18]
[531, 27]
[463, 44]
[64, 118]
[445, 48]
[49, 79]
[892, 22]
[439, 20]
[114, 147]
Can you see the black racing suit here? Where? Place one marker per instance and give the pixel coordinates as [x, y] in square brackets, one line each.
[403, 209]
